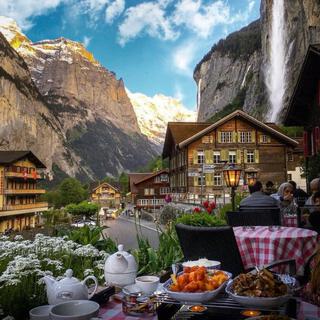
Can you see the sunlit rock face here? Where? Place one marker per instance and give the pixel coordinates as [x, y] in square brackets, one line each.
[94, 113]
[223, 71]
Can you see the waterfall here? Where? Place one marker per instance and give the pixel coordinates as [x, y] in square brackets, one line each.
[276, 71]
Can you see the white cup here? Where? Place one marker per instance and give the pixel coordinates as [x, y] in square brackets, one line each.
[40, 313]
[148, 284]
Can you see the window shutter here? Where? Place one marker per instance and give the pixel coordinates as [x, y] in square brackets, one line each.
[209, 179]
[195, 181]
[253, 136]
[234, 137]
[239, 136]
[245, 156]
[208, 156]
[268, 139]
[256, 156]
[195, 157]
[219, 136]
[239, 156]
[224, 155]
[261, 138]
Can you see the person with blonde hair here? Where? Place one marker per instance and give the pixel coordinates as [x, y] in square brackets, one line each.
[314, 187]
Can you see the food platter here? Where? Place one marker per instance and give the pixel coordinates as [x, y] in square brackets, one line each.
[195, 296]
[261, 290]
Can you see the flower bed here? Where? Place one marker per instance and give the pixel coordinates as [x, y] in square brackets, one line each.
[23, 263]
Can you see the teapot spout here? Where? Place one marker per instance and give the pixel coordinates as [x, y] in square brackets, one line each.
[49, 281]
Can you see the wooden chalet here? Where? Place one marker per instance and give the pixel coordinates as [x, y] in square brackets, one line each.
[304, 105]
[20, 203]
[148, 190]
[106, 195]
[198, 152]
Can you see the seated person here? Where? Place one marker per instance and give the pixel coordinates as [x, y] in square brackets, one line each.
[314, 220]
[270, 188]
[315, 187]
[286, 200]
[300, 195]
[258, 198]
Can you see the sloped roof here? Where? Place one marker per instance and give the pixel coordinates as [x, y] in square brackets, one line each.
[134, 177]
[8, 157]
[297, 112]
[243, 115]
[180, 131]
[106, 184]
[151, 176]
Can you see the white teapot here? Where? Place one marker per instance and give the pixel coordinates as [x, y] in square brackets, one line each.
[68, 288]
[120, 268]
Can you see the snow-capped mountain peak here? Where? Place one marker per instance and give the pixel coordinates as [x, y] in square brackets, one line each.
[153, 114]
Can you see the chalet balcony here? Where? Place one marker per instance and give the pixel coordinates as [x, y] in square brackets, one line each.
[23, 175]
[37, 205]
[24, 191]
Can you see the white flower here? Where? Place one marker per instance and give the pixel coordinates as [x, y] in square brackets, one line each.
[88, 272]
[18, 237]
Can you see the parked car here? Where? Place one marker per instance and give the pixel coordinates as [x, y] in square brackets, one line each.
[111, 213]
[82, 223]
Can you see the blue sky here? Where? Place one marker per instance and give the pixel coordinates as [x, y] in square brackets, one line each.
[153, 45]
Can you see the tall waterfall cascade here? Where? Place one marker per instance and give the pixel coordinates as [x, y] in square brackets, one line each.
[276, 69]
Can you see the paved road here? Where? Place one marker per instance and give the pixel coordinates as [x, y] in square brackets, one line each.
[124, 231]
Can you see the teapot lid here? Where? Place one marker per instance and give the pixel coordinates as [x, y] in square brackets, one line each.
[69, 279]
[121, 262]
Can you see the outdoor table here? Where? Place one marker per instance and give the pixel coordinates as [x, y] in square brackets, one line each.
[112, 310]
[261, 245]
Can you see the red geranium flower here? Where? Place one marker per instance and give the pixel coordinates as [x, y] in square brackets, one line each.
[206, 204]
[213, 205]
[196, 210]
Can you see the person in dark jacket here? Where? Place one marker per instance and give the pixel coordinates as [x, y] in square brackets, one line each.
[258, 198]
[300, 195]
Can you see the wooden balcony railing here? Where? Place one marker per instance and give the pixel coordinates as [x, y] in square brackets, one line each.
[27, 206]
[22, 175]
[24, 191]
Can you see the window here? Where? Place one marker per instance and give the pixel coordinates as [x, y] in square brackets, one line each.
[203, 180]
[200, 157]
[245, 137]
[232, 157]
[217, 179]
[164, 190]
[264, 138]
[289, 176]
[216, 157]
[148, 192]
[164, 178]
[290, 156]
[226, 137]
[250, 156]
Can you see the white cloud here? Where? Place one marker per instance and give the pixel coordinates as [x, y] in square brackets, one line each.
[178, 94]
[23, 11]
[114, 10]
[183, 57]
[86, 41]
[146, 18]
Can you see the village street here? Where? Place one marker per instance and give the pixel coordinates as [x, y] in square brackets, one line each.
[123, 230]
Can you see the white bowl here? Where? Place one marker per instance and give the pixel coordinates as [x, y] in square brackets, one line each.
[209, 264]
[40, 313]
[194, 296]
[257, 302]
[74, 310]
[148, 284]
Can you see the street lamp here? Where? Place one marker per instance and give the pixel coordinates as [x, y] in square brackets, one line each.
[251, 177]
[231, 175]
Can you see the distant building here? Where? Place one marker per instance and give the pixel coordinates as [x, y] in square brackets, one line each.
[106, 195]
[148, 190]
[198, 152]
[19, 195]
[304, 105]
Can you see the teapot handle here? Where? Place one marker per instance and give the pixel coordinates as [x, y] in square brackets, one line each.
[95, 287]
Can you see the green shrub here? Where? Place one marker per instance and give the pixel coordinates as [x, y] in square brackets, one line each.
[201, 219]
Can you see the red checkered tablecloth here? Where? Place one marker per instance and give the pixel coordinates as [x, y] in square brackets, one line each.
[259, 246]
[112, 310]
[290, 221]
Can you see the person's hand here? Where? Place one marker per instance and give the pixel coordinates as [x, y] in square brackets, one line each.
[288, 197]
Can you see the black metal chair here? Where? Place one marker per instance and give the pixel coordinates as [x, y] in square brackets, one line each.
[217, 243]
[254, 217]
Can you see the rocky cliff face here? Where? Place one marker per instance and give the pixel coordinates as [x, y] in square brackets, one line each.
[229, 76]
[232, 74]
[26, 122]
[87, 102]
[302, 21]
